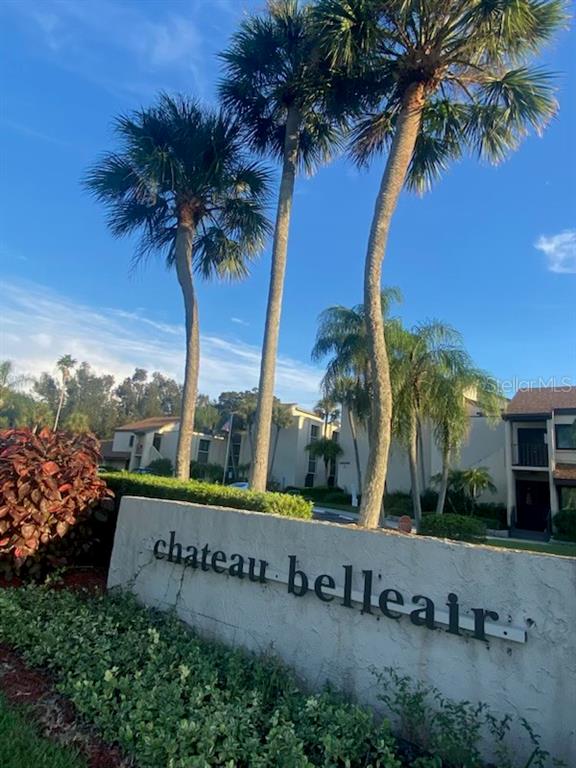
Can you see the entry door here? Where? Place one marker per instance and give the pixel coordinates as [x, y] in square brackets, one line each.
[532, 505]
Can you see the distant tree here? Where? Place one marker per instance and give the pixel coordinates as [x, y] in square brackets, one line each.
[281, 419]
[326, 449]
[77, 422]
[162, 467]
[328, 411]
[183, 183]
[207, 416]
[65, 365]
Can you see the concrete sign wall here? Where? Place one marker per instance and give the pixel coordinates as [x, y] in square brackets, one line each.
[335, 603]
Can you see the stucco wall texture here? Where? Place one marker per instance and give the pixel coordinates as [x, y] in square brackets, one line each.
[534, 596]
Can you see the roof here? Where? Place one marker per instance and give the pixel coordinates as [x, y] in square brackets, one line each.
[147, 425]
[565, 472]
[108, 453]
[541, 400]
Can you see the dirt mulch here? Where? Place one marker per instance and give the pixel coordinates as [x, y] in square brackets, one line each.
[56, 717]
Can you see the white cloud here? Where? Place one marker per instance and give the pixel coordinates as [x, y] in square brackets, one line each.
[560, 251]
[239, 321]
[39, 326]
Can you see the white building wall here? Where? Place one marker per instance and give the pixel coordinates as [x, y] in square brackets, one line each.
[121, 441]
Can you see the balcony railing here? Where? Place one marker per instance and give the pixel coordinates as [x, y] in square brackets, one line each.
[530, 455]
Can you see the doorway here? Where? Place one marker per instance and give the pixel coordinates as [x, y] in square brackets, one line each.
[532, 505]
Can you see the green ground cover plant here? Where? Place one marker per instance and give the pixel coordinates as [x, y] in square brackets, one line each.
[198, 492]
[22, 747]
[171, 698]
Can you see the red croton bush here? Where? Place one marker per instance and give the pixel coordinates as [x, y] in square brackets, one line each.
[48, 484]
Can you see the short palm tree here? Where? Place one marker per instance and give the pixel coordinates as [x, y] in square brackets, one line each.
[420, 359]
[182, 181]
[65, 365]
[275, 85]
[326, 449]
[450, 413]
[440, 78]
[281, 419]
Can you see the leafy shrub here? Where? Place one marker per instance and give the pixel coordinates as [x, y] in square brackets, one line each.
[338, 497]
[170, 698]
[494, 515]
[429, 500]
[198, 492]
[162, 467]
[49, 483]
[565, 525]
[458, 527]
[398, 503]
[211, 472]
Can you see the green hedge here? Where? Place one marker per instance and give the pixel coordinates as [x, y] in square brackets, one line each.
[198, 492]
[169, 698]
[457, 527]
[565, 525]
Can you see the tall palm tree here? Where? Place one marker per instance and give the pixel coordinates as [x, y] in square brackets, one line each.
[441, 78]
[451, 417]
[274, 83]
[182, 181]
[420, 360]
[65, 365]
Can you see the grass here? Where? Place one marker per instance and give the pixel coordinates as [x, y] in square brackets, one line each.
[22, 747]
[567, 549]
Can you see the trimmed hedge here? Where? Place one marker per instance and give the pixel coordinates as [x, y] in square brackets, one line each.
[457, 527]
[565, 525]
[198, 492]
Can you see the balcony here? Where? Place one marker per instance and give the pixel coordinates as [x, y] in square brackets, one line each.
[530, 455]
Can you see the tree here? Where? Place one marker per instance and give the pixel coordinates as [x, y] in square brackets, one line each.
[182, 182]
[421, 360]
[78, 423]
[17, 408]
[451, 418]
[326, 449]
[207, 416]
[353, 397]
[440, 79]
[275, 81]
[468, 484]
[327, 410]
[65, 365]
[281, 419]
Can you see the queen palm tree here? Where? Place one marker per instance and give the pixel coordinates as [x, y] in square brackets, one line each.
[441, 78]
[275, 84]
[182, 182]
[424, 362]
[451, 417]
[327, 409]
[65, 365]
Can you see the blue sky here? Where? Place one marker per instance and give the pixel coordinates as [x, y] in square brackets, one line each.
[490, 250]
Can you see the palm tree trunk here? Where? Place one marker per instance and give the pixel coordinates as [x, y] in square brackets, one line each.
[259, 468]
[421, 463]
[274, 447]
[183, 259]
[381, 406]
[59, 411]
[414, 476]
[354, 434]
[443, 490]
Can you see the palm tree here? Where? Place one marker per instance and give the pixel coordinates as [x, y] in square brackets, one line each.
[451, 418]
[65, 365]
[469, 484]
[281, 419]
[182, 181]
[422, 360]
[327, 410]
[441, 78]
[353, 397]
[274, 84]
[326, 449]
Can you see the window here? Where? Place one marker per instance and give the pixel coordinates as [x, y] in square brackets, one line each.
[203, 451]
[566, 436]
[157, 441]
[131, 442]
[314, 432]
